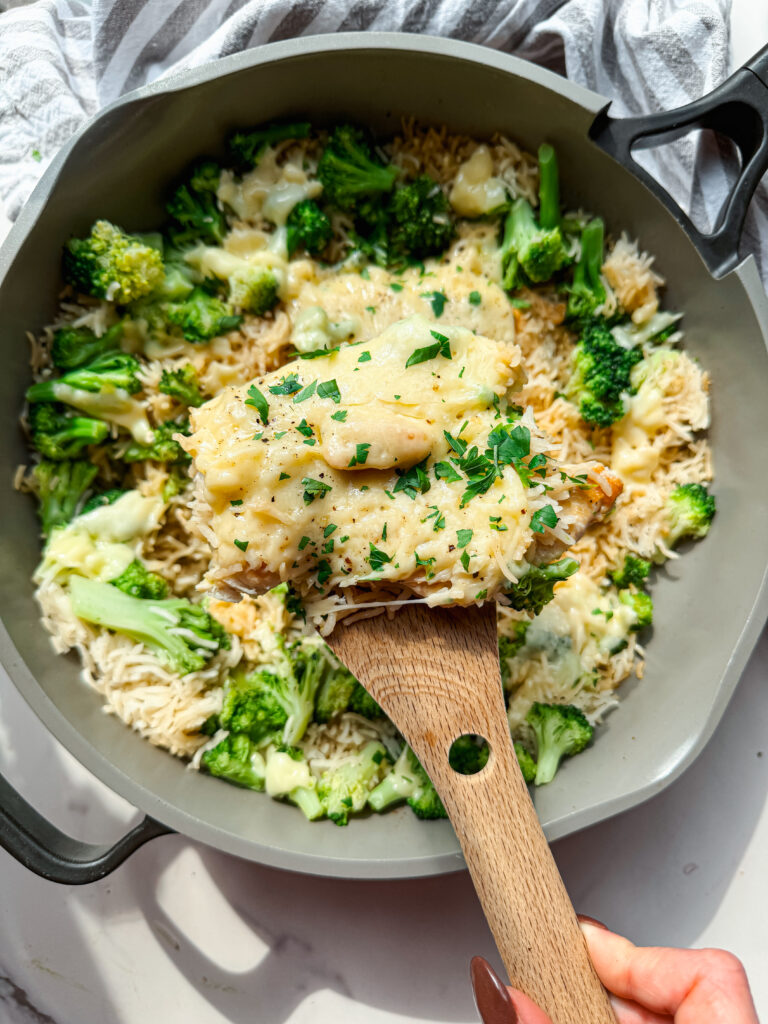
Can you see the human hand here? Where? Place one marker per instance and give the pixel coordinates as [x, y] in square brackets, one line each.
[647, 985]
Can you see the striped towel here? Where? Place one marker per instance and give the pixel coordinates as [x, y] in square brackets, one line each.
[62, 60]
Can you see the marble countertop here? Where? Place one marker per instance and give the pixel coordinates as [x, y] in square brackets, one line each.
[182, 933]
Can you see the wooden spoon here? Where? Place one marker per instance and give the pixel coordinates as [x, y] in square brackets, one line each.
[435, 672]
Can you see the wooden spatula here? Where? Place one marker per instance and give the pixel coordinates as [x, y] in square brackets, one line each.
[435, 672]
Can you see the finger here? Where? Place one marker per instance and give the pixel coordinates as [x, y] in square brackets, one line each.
[689, 984]
[527, 1011]
[630, 1013]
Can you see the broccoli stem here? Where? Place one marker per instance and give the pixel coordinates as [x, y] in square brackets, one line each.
[308, 802]
[549, 188]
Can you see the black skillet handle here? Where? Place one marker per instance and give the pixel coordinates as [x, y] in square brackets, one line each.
[42, 848]
[737, 109]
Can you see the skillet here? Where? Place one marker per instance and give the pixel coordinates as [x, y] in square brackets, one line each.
[710, 605]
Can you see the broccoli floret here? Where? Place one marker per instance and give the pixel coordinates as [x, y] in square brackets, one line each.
[526, 762]
[408, 781]
[535, 588]
[277, 701]
[201, 316]
[352, 179]
[586, 292]
[113, 371]
[182, 634]
[600, 374]
[236, 760]
[111, 264]
[690, 510]
[362, 703]
[163, 448]
[105, 498]
[176, 482]
[138, 581]
[346, 789]
[75, 346]
[641, 604]
[529, 253]
[467, 755]
[60, 487]
[196, 209]
[253, 290]
[248, 147]
[59, 435]
[307, 227]
[634, 571]
[182, 384]
[288, 775]
[510, 645]
[334, 694]
[420, 220]
[561, 730]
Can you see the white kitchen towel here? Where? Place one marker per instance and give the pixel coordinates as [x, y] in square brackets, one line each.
[62, 60]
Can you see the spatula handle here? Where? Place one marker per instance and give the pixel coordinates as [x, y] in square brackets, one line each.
[517, 881]
[436, 674]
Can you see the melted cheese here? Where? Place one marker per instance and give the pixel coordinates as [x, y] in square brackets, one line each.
[475, 190]
[269, 191]
[301, 512]
[114, 405]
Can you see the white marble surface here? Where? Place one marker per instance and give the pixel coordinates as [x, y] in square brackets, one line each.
[180, 933]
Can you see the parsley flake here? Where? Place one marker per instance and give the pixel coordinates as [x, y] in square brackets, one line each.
[303, 542]
[465, 560]
[284, 476]
[545, 516]
[329, 389]
[316, 353]
[258, 402]
[377, 558]
[330, 528]
[463, 537]
[365, 357]
[288, 385]
[306, 393]
[437, 301]
[341, 415]
[313, 489]
[396, 287]
[305, 429]
[236, 501]
[445, 471]
[437, 515]
[475, 298]
[441, 347]
[242, 544]
[324, 571]
[413, 481]
[361, 455]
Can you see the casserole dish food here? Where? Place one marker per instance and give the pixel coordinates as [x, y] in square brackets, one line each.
[119, 168]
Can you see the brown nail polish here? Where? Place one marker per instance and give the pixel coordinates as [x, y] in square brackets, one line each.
[492, 999]
[584, 919]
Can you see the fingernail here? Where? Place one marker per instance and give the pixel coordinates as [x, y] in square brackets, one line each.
[492, 999]
[583, 919]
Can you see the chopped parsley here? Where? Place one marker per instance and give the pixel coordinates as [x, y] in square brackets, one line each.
[496, 524]
[520, 303]
[365, 357]
[306, 393]
[384, 532]
[341, 415]
[330, 528]
[445, 471]
[258, 437]
[396, 287]
[437, 301]
[316, 353]
[344, 539]
[364, 274]
[361, 455]
[324, 571]
[370, 309]
[242, 544]
[425, 563]
[475, 298]
[313, 489]
[441, 347]
[327, 548]
[413, 481]
[288, 385]
[279, 434]
[456, 443]
[236, 501]
[481, 594]
[258, 402]
[377, 558]
[463, 537]
[437, 515]
[465, 560]
[303, 542]
[329, 389]
[305, 429]
[545, 516]
[284, 476]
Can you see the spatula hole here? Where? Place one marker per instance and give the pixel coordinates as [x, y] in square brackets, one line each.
[469, 754]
